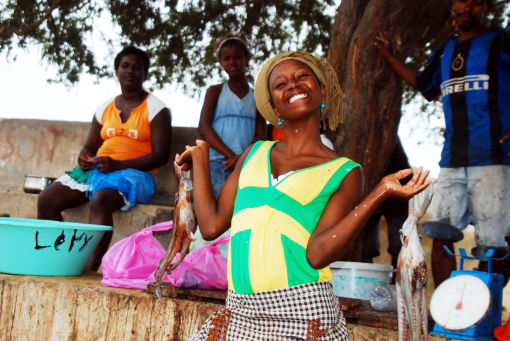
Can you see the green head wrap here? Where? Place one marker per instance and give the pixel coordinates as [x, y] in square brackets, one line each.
[332, 112]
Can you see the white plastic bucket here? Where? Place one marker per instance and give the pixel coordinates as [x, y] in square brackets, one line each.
[357, 280]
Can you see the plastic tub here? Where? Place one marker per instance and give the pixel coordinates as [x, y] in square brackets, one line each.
[357, 280]
[47, 247]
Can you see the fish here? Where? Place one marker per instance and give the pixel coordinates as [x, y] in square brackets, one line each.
[411, 275]
[183, 230]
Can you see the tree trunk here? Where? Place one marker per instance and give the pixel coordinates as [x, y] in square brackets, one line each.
[373, 92]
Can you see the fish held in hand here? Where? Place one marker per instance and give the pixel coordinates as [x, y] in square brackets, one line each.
[184, 227]
[411, 277]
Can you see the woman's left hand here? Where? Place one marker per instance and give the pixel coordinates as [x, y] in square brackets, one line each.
[391, 183]
[231, 163]
[106, 164]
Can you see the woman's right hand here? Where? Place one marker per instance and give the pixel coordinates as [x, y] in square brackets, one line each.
[201, 149]
[85, 160]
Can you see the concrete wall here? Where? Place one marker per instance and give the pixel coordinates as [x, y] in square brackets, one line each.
[48, 148]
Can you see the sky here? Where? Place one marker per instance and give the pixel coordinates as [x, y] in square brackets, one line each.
[26, 94]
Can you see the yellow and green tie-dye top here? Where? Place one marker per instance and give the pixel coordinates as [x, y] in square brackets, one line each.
[271, 224]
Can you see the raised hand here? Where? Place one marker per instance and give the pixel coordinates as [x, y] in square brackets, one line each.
[418, 183]
[383, 43]
[201, 149]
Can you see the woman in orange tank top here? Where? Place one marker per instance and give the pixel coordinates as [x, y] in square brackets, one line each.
[127, 142]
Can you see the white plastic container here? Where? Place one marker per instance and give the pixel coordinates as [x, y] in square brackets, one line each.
[357, 280]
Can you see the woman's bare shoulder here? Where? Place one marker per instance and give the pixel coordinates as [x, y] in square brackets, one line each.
[215, 89]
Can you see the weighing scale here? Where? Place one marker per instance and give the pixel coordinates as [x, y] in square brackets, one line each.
[467, 306]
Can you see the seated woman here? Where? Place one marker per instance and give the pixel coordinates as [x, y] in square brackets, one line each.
[129, 139]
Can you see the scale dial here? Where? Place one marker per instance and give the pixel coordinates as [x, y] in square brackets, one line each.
[460, 302]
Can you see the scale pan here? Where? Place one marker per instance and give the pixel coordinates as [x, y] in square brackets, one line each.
[460, 302]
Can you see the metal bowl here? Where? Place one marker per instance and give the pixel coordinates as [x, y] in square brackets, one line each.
[35, 184]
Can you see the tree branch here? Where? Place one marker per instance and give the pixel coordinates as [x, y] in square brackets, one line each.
[8, 30]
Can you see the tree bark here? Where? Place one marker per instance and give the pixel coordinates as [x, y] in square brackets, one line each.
[373, 92]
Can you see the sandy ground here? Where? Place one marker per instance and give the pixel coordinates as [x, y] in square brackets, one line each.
[467, 243]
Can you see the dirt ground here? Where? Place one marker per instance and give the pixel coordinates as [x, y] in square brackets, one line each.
[467, 243]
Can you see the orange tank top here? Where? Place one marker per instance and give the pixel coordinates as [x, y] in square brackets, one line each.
[130, 139]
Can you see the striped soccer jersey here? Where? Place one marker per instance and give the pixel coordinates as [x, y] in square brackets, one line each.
[472, 76]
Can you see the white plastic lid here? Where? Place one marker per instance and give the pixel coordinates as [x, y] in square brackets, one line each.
[361, 266]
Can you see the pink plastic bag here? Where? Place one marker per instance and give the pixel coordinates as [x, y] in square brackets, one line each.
[203, 268]
[131, 262]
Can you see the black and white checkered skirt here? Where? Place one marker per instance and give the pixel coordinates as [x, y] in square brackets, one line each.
[305, 312]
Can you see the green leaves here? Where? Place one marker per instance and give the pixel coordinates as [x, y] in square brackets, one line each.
[59, 28]
[179, 36]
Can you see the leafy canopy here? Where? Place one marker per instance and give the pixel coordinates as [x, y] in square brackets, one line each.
[178, 35]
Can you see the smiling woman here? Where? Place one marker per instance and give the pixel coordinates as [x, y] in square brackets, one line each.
[291, 208]
[128, 140]
[304, 96]
[332, 111]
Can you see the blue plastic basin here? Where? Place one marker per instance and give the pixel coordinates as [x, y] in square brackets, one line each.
[47, 247]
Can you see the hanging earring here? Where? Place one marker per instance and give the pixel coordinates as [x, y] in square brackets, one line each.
[323, 105]
[280, 122]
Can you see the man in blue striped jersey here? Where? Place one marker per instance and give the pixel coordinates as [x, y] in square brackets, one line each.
[472, 73]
